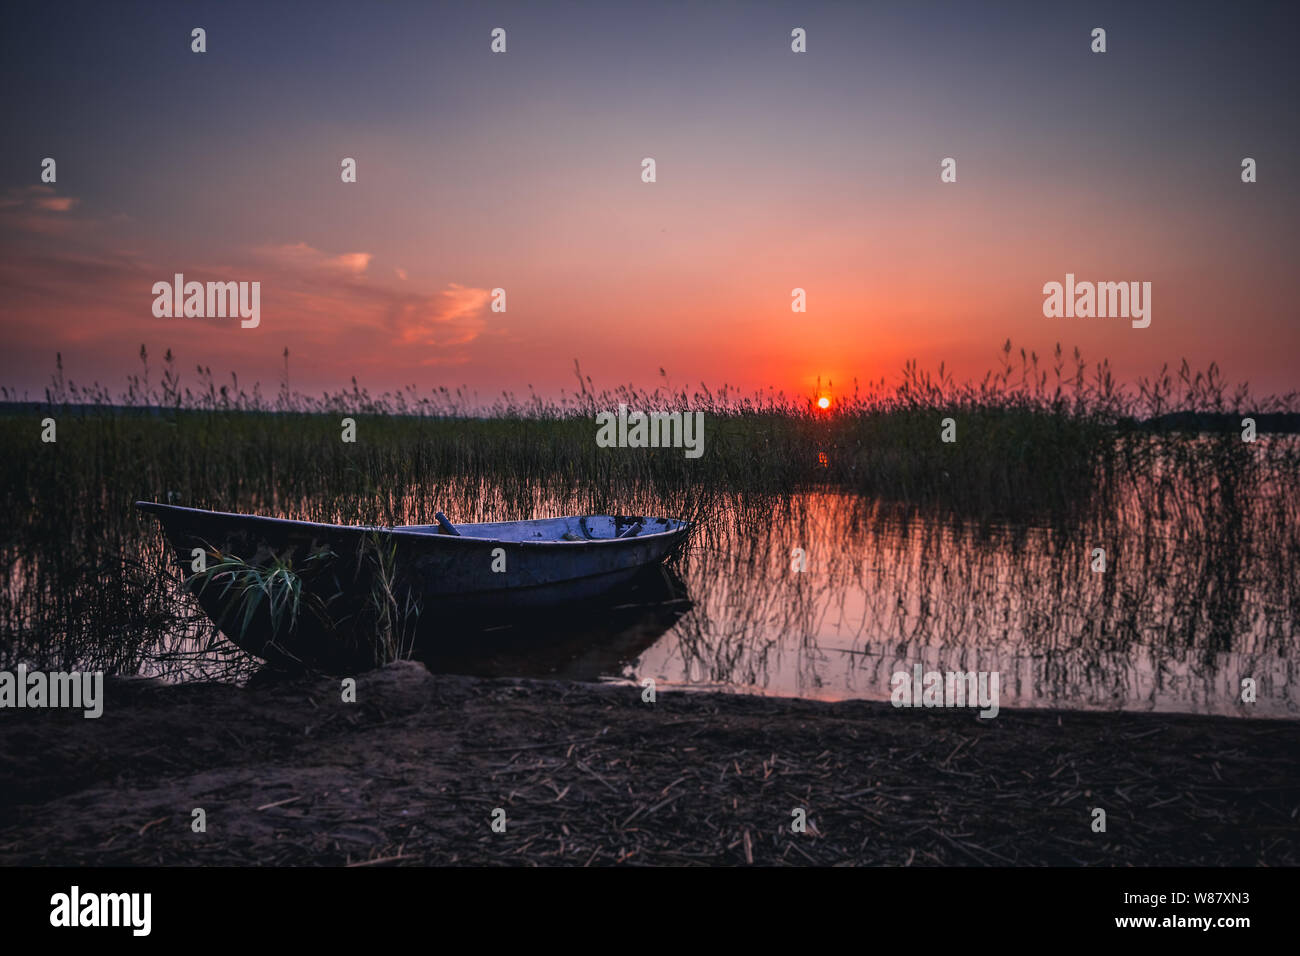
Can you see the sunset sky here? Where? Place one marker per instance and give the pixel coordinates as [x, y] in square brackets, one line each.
[522, 170]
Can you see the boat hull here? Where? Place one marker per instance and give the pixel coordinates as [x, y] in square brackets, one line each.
[490, 572]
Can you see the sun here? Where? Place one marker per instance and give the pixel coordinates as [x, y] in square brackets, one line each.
[823, 402]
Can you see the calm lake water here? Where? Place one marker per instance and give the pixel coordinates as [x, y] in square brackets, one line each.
[1174, 623]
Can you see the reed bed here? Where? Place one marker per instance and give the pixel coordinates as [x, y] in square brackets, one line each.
[1061, 446]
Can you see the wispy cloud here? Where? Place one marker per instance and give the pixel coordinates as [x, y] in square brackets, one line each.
[90, 292]
[310, 285]
[302, 257]
[37, 210]
[36, 197]
[452, 317]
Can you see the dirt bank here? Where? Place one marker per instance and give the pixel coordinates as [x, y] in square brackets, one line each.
[411, 774]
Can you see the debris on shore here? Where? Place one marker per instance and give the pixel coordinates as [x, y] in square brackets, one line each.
[417, 769]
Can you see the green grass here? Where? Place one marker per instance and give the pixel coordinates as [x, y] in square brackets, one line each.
[243, 588]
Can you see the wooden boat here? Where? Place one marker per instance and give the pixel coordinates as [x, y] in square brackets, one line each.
[342, 597]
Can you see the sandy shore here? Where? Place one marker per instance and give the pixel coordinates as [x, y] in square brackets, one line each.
[412, 772]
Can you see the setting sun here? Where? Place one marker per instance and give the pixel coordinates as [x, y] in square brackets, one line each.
[823, 402]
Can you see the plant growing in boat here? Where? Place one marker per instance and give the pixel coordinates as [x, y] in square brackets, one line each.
[266, 599]
[391, 611]
[246, 586]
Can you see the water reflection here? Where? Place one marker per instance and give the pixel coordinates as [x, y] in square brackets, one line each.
[585, 643]
[1173, 624]
[1191, 603]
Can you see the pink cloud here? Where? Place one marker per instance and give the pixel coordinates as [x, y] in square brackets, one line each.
[36, 210]
[309, 284]
[303, 257]
[56, 203]
[452, 317]
[36, 197]
[82, 291]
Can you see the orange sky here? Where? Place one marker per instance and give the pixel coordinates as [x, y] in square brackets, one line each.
[775, 170]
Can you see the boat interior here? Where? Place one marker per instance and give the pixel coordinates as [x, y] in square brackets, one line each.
[576, 528]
